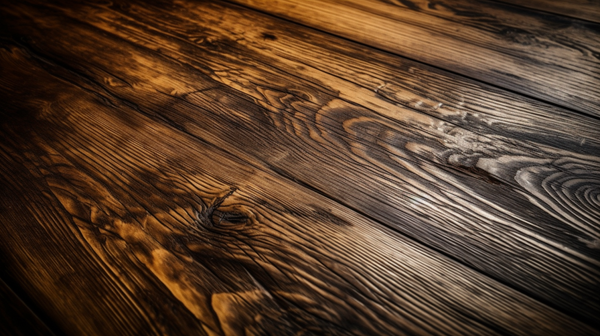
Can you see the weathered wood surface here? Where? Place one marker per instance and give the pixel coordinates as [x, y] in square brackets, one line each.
[550, 57]
[124, 118]
[148, 237]
[581, 9]
[16, 318]
[414, 173]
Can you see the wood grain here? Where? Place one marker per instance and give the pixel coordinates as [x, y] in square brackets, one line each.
[581, 9]
[549, 57]
[16, 318]
[476, 194]
[169, 235]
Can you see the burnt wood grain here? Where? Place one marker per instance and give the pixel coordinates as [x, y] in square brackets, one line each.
[550, 57]
[138, 236]
[226, 172]
[581, 9]
[408, 170]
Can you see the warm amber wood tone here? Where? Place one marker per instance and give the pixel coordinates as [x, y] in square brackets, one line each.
[581, 9]
[198, 167]
[541, 55]
[155, 229]
[428, 161]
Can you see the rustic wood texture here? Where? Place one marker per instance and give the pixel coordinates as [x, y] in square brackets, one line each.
[199, 166]
[171, 236]
[581, 9]
[550, 57]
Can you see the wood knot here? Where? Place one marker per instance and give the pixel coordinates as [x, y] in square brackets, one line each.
[209, 215]
[268, 36]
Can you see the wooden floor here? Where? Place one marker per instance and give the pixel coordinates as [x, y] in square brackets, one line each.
[299, 167]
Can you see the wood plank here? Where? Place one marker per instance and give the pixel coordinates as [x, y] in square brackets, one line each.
[580, 9]
[407, 162]
[152, 222]
[16, 318]
[549, 57]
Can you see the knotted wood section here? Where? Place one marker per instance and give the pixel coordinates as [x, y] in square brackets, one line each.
[202, 168]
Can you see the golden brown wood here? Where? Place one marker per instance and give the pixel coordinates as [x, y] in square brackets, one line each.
[415, 175]
[175, 237]
[544, 56]
[186, 162]
[581, 9]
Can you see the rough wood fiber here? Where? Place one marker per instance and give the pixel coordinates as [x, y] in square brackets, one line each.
[139, 236]
[581, 9]
[416, 173]
[550, 57]
[117, 121]
[426, 186]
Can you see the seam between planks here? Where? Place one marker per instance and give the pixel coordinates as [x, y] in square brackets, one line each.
[278, 172]
[548, 12]
[460, 75]
[42, 319]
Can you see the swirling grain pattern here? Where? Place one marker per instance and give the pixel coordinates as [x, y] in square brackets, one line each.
[546, 56]
[182, 167]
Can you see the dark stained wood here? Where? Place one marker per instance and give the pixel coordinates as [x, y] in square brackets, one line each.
[581, 9]
[550, 57]
[203, 167]
[16, 318]
[406, 169]
[176, 237]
